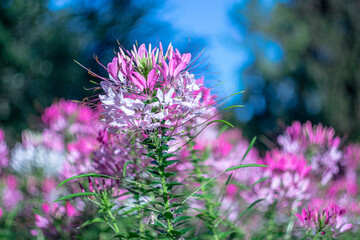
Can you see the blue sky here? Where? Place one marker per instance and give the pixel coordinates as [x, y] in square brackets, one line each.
[210, 21]
[226, 45]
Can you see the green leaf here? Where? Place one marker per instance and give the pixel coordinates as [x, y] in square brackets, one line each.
[85, 175]
[134, 235]
[224, 235]
[244, 166]
[125, 165]
[170, 162]
[81, 194]
[175, 183]
[251, 205]
[228, 180]
[154, 183]
[242, 186]
[185, 230]
[95, 220]
[259, 181]
[249, 148]
[180, 210]
[170, 174]
[233, 106]
[180, 218]
[222, 121]
[168, 215]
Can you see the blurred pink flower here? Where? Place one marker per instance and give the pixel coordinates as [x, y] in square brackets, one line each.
[67, 116]
[287, 179]
[318, 144]
[322, 220]
[4, 151]
[11, 194]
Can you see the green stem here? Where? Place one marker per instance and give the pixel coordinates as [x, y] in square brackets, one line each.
[165, 195]
[317, 235]
[208, 203]
[113, 221]
[163, 180]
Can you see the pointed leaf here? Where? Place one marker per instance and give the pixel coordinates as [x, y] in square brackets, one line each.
[248, 149]
[85, 175]
[95, 220]
[180, 218]
[251, 205]
[259, 181]
[81, 194]
[222, 121]
[244, 166]
[125, 165]
[228, 180]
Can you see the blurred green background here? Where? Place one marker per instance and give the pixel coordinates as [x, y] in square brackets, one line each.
[297, 60]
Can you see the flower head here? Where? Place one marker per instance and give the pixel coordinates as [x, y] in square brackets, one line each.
[329, 219]
[67, 116]
[318, 144]
[149, 88]
[286, 182]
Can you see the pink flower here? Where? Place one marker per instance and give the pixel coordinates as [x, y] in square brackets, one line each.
[328, 219]
[4, 151]
[320, 146]
[112, 154]
[287, 179]
[41, 222]
[70, 210]
[148, 89]
[11, 194]
[68, 116]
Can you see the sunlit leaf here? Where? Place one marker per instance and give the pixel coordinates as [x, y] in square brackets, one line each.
[125, 165]
[74, 195]
[244, 166]
[249, 148]
[259, 181]
[85, 175]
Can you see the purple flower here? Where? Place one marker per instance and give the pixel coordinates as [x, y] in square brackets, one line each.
[148, 89]
[67, 116]
[323, 220]
[318, 144]
[11, 194]
[287, 179]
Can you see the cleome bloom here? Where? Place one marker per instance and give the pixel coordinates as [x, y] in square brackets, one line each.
[329, 219]
[148, 89]
[318, 144]
[70, 117]
[287, 180]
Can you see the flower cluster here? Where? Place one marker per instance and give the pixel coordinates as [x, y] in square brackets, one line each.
[318, 144]
[148, 89]
[112, 154]
[50, 213]
[142, 185]
[328, 220]
[68, 117]
[286, 179]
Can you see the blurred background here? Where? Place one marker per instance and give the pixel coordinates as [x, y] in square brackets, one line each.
[296, 60]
